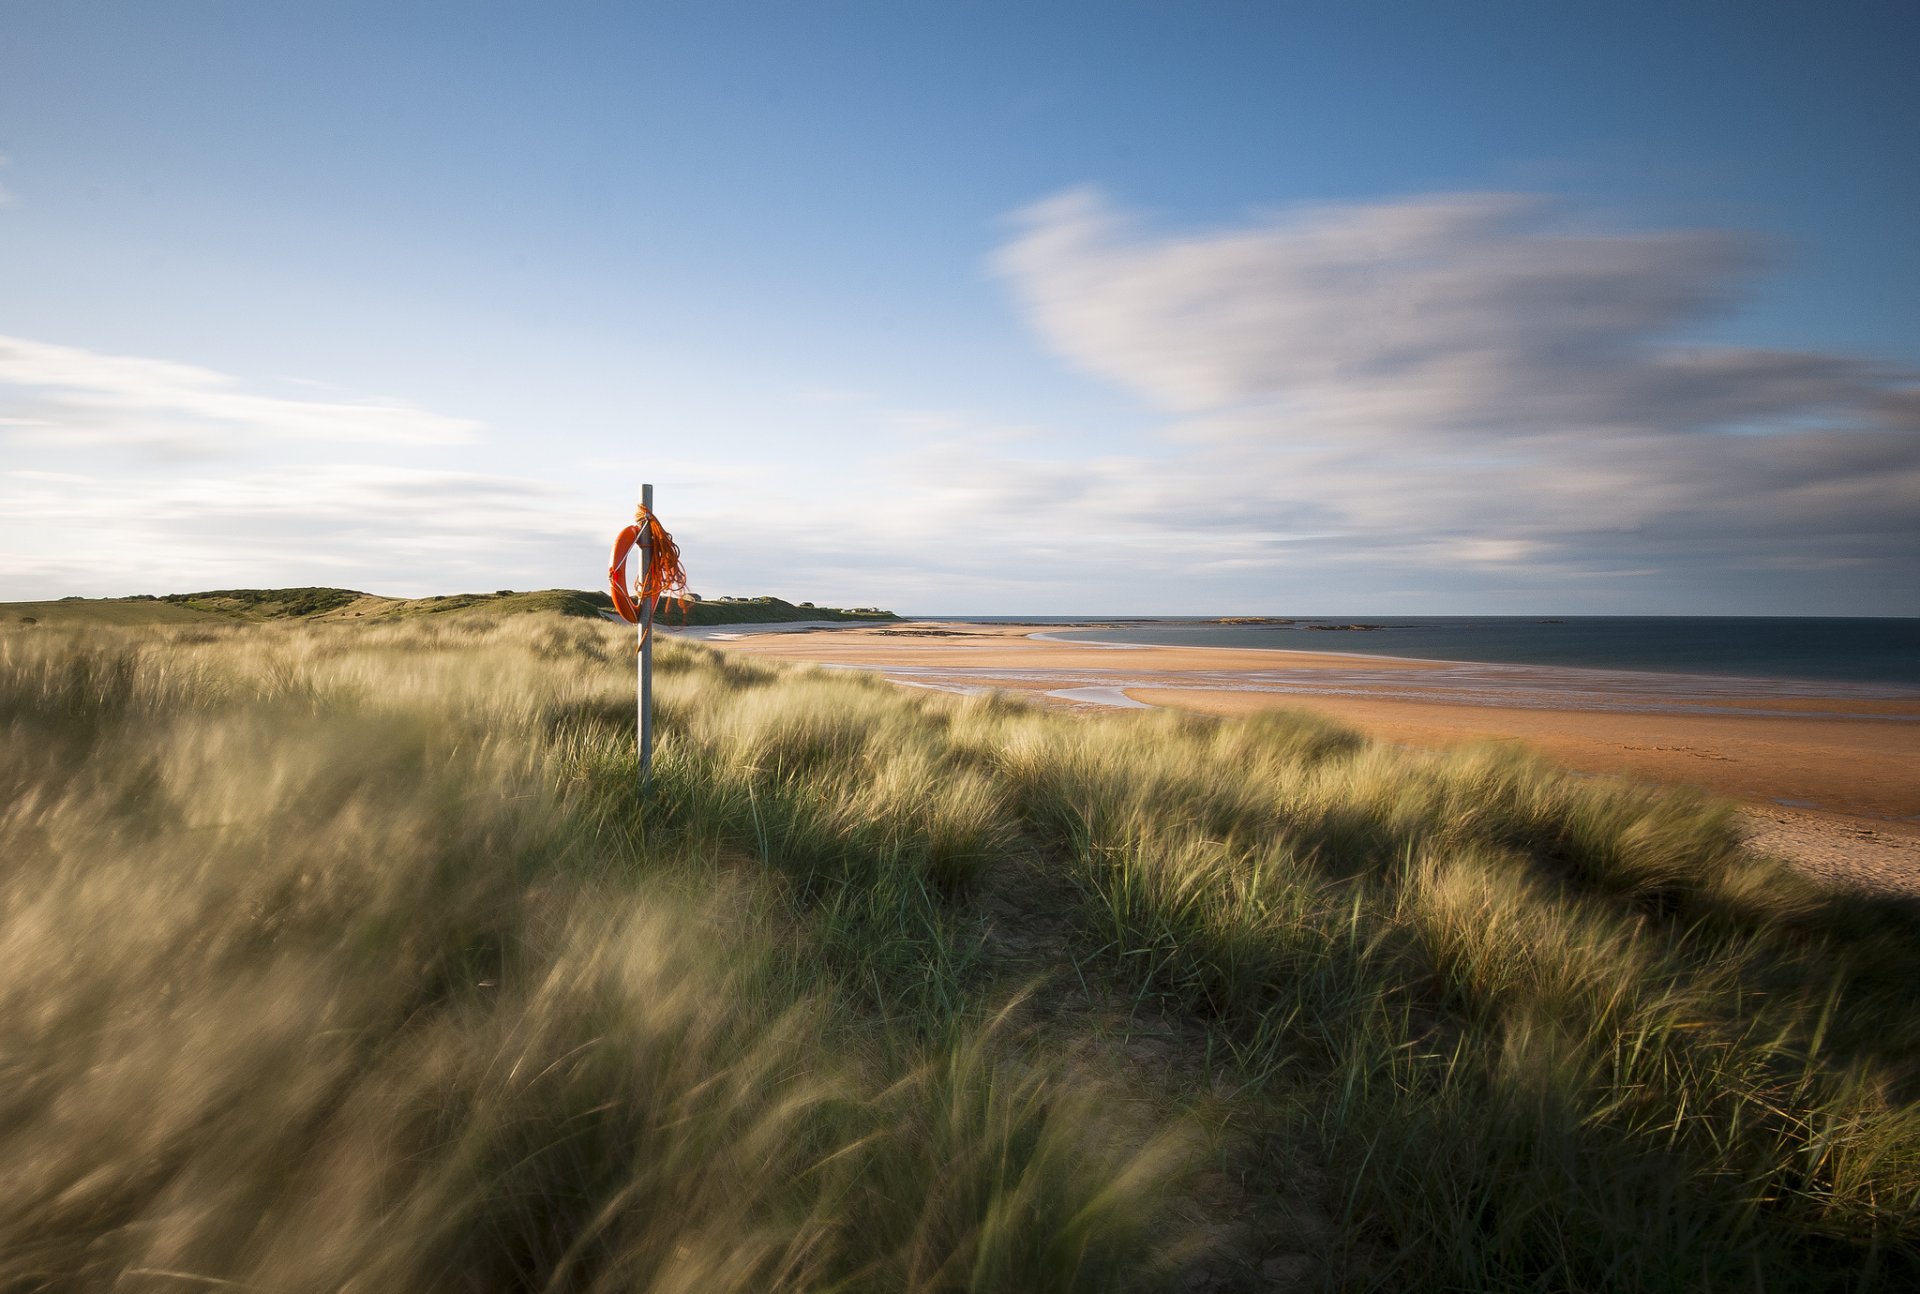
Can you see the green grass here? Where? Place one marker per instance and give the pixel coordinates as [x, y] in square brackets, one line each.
[219, 605]
[104, 611]
[267, 604]
[768, 610]
[342, 952]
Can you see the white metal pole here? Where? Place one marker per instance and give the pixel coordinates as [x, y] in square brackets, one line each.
[645, 549]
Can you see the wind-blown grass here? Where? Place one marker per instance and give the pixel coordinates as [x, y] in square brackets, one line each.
[1551, 1033]
[347, 955]
[345, 959]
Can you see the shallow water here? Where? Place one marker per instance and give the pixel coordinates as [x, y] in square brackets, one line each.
[1885, 651]
[1528, 687]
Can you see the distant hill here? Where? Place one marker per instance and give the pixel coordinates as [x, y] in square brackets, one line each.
[343, 604]
[761, 611]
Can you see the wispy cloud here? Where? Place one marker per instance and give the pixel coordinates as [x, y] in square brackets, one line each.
[1474, 386]
[359, 525]
[1435, 404]
[232, 484]
[1484, 313]
[64, 395]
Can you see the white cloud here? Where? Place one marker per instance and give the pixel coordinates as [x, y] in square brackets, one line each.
[1478, 312]
[363, 526]
[1461, 388]
[65, 478]
[1442, 404]
[64, 395]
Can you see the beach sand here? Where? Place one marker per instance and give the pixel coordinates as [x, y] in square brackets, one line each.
[1012, 648]
[1831, 775]
[1846, 765]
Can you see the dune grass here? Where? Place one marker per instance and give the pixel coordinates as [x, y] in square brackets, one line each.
[341, 958]
[1551, 1033]
[344, 956]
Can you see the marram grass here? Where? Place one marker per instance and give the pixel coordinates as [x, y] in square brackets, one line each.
[1548, 1032]
[342, 957]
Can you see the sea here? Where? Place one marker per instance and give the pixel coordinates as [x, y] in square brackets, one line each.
[1843, 650]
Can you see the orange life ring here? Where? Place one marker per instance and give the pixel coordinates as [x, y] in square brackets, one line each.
[617, 574]
[663, 575]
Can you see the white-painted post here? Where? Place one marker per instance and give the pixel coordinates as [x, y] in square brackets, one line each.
[643, 549]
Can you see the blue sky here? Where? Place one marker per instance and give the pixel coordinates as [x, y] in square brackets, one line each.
[1200, 307]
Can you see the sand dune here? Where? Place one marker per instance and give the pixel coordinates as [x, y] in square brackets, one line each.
[1827, 767]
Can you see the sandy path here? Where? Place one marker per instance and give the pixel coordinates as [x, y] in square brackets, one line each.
[1877, 856]
[1830, 774]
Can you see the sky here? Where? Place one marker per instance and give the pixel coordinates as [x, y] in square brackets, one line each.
[1210, 307]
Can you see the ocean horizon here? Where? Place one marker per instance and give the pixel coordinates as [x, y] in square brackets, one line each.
[1874, 650]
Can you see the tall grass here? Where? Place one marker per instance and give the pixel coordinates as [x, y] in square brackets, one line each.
[1550, 1033]
[347, 956]
[344, 959]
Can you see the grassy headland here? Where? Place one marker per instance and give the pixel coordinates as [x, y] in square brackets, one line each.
[342, 952]
[217, 605]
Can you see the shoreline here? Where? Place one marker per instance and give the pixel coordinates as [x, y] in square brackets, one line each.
[1705, 681]
[1863, 650]
[1841, 749]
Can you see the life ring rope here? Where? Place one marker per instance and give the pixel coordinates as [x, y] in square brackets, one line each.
[661, 577]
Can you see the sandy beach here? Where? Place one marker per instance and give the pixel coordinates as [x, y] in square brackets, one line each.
[1831, 772]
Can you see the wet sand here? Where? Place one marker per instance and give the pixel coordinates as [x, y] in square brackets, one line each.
[1011, 648]
[1833, 763]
